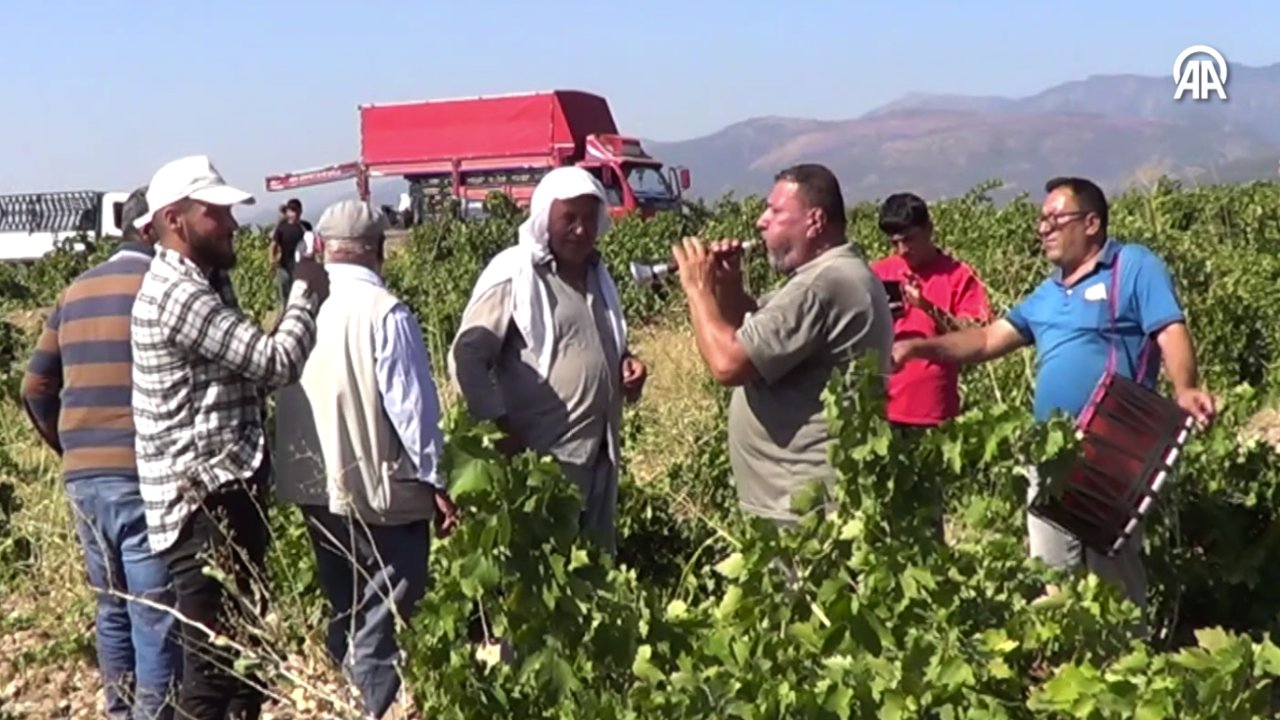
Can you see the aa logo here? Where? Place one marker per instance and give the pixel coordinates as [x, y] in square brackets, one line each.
[1207, 72]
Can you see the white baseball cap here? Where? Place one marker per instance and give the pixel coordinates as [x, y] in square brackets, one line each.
[192, 177]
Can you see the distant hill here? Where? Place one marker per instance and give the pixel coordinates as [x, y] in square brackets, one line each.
[1112, 128]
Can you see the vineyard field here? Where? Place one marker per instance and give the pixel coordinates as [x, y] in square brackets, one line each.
[706, 614]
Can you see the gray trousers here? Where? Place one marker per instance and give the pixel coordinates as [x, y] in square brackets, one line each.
[598, 482]
[371, 575]
[1061, 550]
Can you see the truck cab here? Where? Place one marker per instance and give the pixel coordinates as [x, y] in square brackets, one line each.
[633, 180]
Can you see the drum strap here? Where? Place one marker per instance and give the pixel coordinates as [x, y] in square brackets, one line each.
[1113, 302]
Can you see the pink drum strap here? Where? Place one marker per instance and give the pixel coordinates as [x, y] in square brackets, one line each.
[1113, 301]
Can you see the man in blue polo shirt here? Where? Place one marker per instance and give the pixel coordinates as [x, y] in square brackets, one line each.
[1068, 319]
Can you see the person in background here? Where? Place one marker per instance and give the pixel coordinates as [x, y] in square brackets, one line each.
[940, 295]
[778, 353]
[290, 234]
[358, 448]
[293, 214]
[1067, 319]
[77, 394]
[201, 372]
[285, 243]
[542, 346]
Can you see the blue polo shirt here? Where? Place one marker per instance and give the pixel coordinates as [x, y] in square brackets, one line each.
[1069, 326]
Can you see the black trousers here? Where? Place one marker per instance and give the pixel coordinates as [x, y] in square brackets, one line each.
[229, 531]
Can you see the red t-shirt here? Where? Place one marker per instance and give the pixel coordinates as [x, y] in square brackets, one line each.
[924, 392]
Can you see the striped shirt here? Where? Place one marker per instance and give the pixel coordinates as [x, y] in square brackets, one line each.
[201, 373]
[77, 386]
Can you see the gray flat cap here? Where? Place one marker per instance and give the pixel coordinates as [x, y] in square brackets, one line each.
[351, 220]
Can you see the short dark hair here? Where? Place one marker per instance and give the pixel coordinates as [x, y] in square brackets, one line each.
[1088, 196]
[134, 207]
[902, 211]
[819, 188]
[295, 205]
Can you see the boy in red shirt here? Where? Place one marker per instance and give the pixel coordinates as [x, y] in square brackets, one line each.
[940, 294]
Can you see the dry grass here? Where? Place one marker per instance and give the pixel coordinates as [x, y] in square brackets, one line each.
[1264, 426]
[28, 320]
[676, 407]
[47, 665]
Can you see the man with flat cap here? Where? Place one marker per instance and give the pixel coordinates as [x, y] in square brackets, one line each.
[358, 447]
[202, 370]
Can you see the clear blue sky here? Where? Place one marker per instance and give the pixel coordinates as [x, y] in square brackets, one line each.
[98, 93]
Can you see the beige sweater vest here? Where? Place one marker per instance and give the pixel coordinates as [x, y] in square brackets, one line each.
[334, 443]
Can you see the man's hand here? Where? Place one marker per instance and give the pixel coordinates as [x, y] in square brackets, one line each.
[903, 350]
[446, 516]
[728, 263]
[510, 443]
[313, 274]
[1199, 403]
[696, 265]
[912, 292]
[510, 446]
[634, 374]
[913, 295]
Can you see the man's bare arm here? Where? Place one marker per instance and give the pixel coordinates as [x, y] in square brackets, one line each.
[717, 341]
[1179, 356]
[1180, 363]
[971, 345]
[734, 304]
[945, 322]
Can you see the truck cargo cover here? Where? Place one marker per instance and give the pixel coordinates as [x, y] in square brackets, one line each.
[503, 126]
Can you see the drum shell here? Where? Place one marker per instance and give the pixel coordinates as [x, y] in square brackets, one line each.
[1132, 437]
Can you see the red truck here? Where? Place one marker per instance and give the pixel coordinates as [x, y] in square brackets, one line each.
[468, 147]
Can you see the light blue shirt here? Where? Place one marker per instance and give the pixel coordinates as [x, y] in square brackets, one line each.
[405, 384]
[1070, 326]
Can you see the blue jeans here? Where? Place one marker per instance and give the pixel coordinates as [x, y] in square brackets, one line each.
[371, 575]
[138, 653]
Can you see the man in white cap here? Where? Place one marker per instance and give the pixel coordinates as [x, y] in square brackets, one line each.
[542, 346]
[201, 372]
[358, 447]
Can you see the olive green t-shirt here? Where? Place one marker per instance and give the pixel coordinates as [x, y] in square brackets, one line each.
[831, 310]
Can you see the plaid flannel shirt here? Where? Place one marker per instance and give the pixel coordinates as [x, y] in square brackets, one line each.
[201, 373]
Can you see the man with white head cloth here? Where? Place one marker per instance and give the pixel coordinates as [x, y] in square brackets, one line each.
[542, 346]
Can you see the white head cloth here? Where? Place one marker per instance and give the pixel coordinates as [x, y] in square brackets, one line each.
[530, 307]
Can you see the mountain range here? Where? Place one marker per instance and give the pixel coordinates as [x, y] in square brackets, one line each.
[1115, 129]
